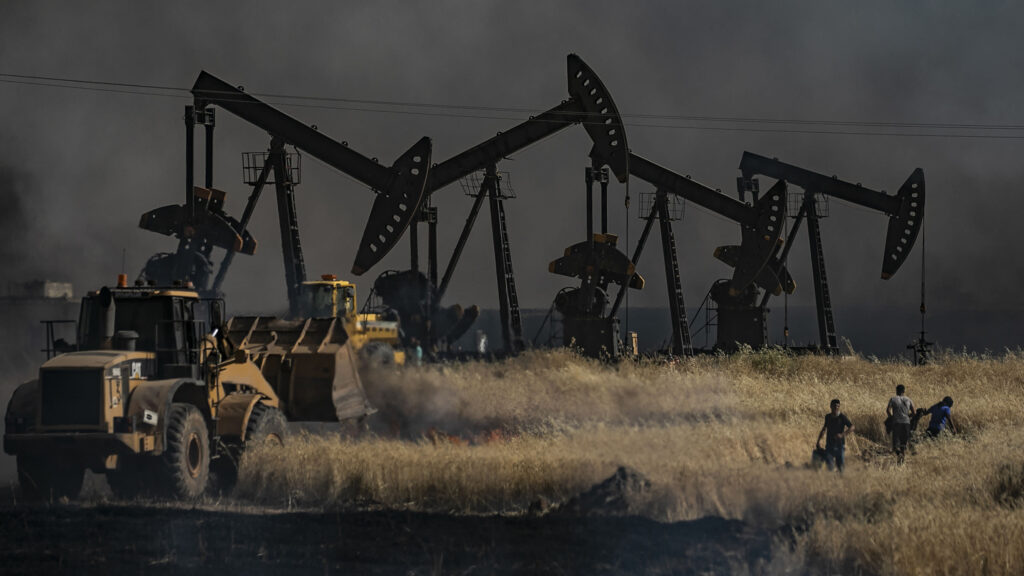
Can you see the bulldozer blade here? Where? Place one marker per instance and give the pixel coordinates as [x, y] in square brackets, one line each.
[759, 242]
[602, 121]
[395, 207]
[905, 224]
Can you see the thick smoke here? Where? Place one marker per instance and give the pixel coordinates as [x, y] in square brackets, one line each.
[17, 238]
[103, 158]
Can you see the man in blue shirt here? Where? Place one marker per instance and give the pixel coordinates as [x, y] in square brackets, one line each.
[837, 426]
[941, 415]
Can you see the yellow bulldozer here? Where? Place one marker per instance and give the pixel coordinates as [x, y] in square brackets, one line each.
[153, 399]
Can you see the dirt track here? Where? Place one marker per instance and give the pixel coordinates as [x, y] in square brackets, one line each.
[148, 540]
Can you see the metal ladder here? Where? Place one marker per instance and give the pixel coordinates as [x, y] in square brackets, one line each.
[515, 316]
[681, 343]
[291, 247]
[827, 325]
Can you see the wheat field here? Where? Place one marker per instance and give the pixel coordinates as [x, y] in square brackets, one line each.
[727, 436]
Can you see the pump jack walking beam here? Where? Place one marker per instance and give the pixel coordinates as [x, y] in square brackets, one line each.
[589, 104]
[905, 209]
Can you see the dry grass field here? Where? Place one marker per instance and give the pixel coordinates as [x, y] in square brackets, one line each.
[727, 436]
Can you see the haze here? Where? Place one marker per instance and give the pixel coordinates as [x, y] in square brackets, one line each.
[80, 166]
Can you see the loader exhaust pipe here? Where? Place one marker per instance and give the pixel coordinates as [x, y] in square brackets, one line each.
[107, 317]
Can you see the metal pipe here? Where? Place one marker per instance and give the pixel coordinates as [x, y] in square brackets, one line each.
[190, 206]
[432, 246]
[208, 124]
[636, 258]
[590, 206]
[604, 200]
[250, 206]
[463, 238]
[414, 244]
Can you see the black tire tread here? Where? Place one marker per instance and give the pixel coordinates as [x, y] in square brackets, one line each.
[265, 420]
[179, 484]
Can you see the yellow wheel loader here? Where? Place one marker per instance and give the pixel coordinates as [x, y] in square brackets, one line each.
[154, 400]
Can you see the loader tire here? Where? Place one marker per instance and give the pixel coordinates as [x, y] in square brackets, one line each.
[267, 426]
[186, 457]
[48, 480]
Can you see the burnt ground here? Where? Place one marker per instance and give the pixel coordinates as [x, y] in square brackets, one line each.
[154, 539]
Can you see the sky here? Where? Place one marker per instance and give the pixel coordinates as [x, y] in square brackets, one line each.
[896, 83]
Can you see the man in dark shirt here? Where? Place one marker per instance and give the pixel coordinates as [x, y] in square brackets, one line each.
[837, 427]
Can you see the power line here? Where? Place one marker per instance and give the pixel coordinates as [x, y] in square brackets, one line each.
[86, 88]
[360, 105]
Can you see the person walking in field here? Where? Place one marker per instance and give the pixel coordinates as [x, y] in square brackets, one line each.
[837, 427]
[899, 409]
[942, 415]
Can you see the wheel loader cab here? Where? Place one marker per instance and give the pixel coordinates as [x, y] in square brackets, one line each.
[155, 320]
[328, 297]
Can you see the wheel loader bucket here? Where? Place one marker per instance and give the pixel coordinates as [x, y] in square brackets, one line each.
[310, 364]
[347, 392]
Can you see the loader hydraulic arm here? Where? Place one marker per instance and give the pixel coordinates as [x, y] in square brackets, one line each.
[400, 188]
[905, 209]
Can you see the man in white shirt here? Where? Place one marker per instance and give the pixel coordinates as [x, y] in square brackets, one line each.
[899, 409]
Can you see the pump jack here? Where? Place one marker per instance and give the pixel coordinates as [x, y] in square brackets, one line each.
[906, 216]
[761, 229]
[201, 224]
[597, 262]
[589, 104]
